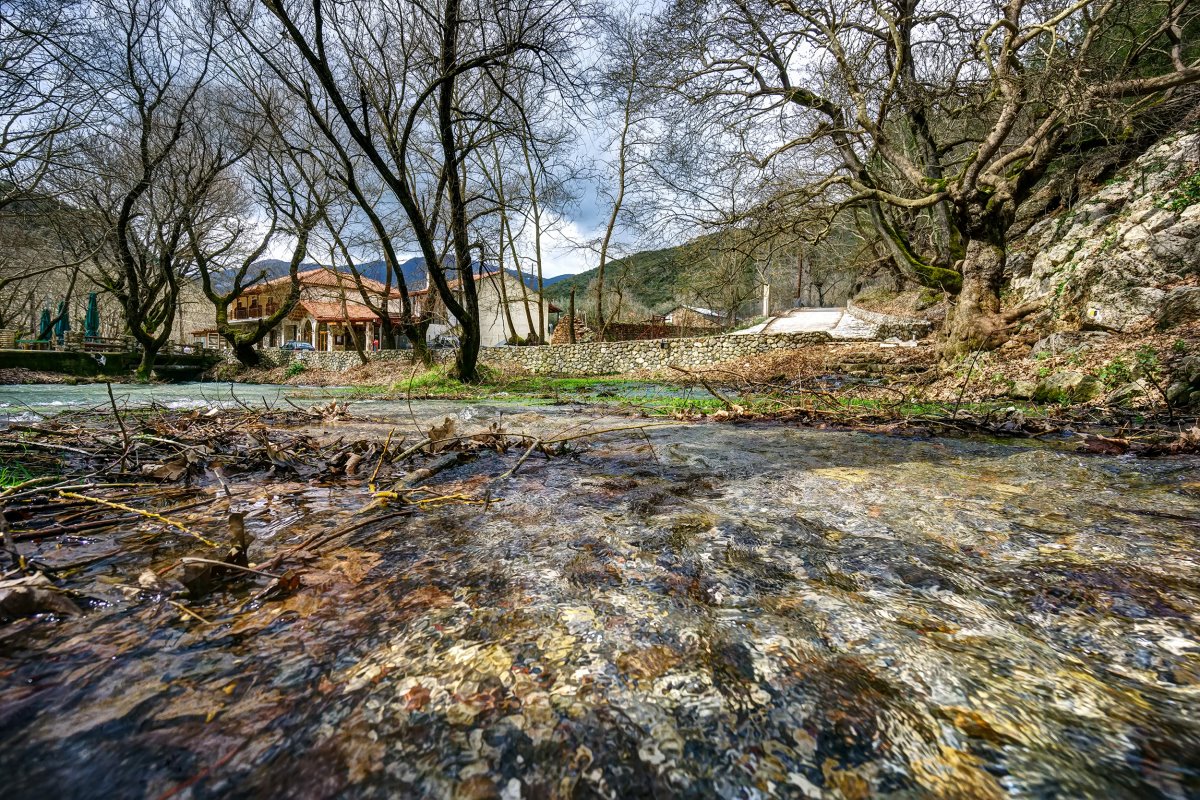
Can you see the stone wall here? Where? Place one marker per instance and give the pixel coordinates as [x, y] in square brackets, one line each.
[69, 362]
[592, 358]
[888, 326]
[604, 358]
[339, 361]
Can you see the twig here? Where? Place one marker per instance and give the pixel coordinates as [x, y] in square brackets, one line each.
[318, 539]
[586, 434]
[382, 456]
[728, 405]
[963, 390]
[45, 446]
[120, 424]
[189, 612]
[520, 461]
[408, 397]
[239, 567]
[148, 514]
[31, 482]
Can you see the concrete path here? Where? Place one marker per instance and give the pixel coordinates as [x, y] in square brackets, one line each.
[834, 321]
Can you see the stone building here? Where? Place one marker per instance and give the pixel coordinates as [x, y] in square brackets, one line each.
[330, 308]
[497, 291]
[693, 317]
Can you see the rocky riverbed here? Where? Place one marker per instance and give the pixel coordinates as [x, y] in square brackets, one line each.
[688, 610]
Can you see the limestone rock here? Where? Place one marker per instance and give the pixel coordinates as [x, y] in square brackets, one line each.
[1122, 310]
[1185, 382]
[1108, 264]
[1180, 305]
[1070, 385]
[1068, 342]
[1023, 390]
[1124, 395]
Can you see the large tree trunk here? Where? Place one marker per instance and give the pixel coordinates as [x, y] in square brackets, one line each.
[247, 353]
[146, 366]
[417, 334]
[977, 323]
[468, 355]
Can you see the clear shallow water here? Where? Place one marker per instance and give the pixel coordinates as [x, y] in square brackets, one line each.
[734, 611]
[27, 402]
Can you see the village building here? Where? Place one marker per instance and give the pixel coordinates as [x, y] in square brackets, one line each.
[331, 308]
[694, 317]
[508, 311]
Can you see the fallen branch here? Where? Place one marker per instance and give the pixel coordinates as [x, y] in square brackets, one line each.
[729, 406]
[141, 512]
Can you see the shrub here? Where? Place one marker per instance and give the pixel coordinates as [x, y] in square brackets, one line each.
[1186, 193]
[1115, 373]
[294, 369]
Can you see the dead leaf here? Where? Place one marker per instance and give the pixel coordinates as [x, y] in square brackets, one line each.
[438, 435]
[33, 594]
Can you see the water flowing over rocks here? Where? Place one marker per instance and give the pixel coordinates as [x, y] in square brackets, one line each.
[705, 610]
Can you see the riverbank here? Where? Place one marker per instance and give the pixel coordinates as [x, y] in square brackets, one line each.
[18, 375]
[1115, 387]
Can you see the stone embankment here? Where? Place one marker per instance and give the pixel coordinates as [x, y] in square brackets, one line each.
[603, 358]
[594, 358]
[607, 358]
[888, 326]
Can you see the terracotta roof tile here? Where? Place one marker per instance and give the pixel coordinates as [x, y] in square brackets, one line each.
[324, 277]
[332, 311]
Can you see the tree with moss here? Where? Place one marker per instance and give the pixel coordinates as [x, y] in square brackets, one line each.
[936, 120]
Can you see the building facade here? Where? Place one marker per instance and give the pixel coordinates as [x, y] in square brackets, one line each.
[329, 314]
[331, 311]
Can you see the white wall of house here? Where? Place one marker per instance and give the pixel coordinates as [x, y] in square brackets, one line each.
[493, 324]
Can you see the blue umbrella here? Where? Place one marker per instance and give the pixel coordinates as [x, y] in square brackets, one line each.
[64, 322]
[91, 320]
[44, 329]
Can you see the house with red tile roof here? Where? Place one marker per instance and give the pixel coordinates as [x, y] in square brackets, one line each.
[332, 308]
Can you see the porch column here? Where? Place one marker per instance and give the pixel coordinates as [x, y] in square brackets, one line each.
[315, 325]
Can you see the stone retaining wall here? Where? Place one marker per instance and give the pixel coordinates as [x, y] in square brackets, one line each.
[888, 325]
[604, 358]
[593, 358]
[339, 361]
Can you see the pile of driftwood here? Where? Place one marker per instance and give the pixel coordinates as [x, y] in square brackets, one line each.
[178, 481]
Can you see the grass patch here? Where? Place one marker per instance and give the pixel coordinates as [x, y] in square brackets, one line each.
[439, 383]
[13, 473]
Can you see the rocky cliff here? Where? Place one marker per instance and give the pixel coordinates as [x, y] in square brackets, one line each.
[1126, 258]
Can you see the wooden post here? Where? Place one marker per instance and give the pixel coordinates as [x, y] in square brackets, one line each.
[571, 329]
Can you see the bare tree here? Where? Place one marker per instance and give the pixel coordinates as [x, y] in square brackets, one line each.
[401, 82]
[272, 190]
[622, 92]
[948, 114]
[45, 108]
[149, 166]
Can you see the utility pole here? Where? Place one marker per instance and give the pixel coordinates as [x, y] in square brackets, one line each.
[798, 301]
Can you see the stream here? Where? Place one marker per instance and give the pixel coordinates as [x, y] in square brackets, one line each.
[695, 610]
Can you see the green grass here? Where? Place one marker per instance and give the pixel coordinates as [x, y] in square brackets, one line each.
[13, 473]
[439, 383]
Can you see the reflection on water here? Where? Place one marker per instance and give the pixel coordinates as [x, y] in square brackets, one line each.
[736, 611]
